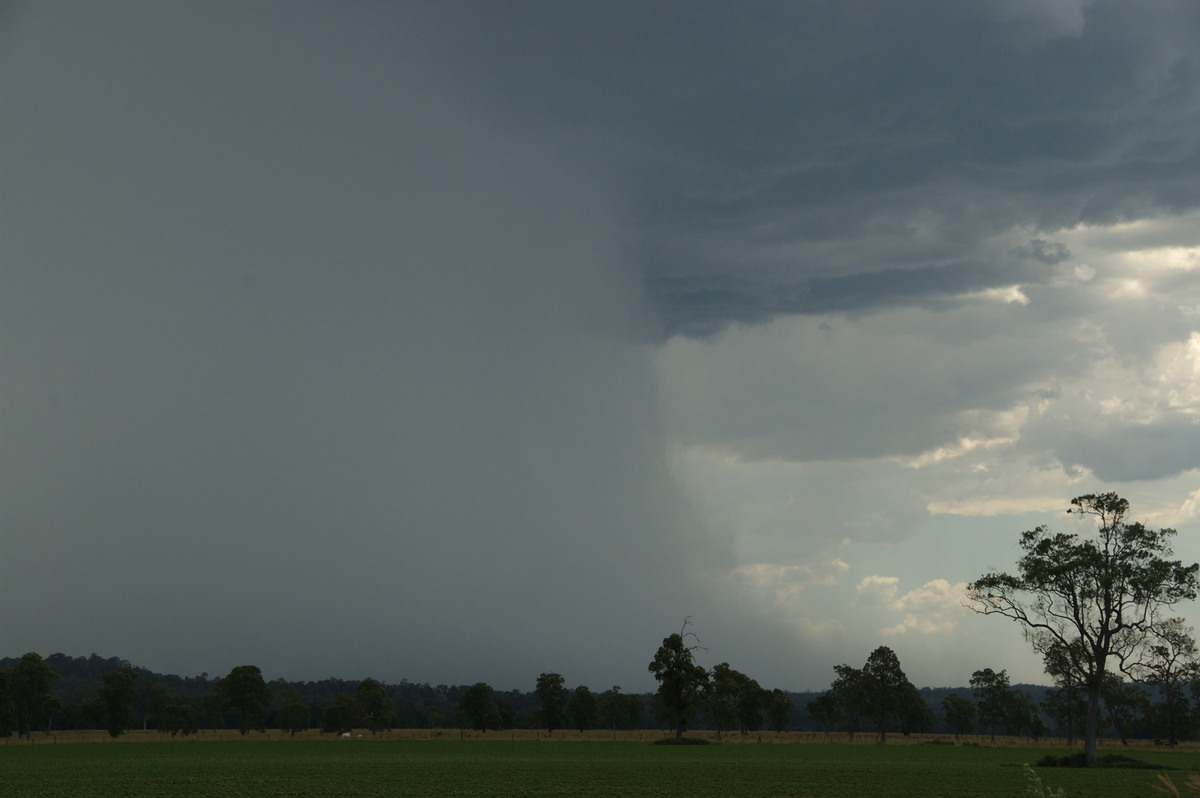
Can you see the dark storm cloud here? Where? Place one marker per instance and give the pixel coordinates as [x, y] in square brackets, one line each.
[832, 126]
[307, 364]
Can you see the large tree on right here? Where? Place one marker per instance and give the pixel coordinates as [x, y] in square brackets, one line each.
[1086, 600]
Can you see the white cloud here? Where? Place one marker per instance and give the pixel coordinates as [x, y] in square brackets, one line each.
[783, 585]
[933, 608]
[1011, 294]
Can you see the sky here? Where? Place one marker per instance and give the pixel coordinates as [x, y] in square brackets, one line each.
[459, 342]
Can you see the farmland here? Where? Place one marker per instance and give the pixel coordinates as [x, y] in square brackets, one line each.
[397, 764]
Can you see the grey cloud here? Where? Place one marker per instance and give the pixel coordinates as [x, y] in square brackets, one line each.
[703, 305]
[825, 123]
[1048, 252]
[1128, 452]
[814, 389]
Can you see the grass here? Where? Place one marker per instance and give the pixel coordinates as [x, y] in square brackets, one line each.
[529, 767]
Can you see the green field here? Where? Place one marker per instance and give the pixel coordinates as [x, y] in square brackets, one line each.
[331, 767]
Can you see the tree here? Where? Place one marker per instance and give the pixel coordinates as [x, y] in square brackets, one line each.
[178, 719]
[1096, 599]
[158, 701]
[960, 714]
[475, 709]
[992, 698]
[840, 707]
[1124, 702]
[681, 682]
[779, 710]
[293, 715]
[1066, 706]
[620, 710]
[373, 705]
[505, 717]
[1170, 665]
[115, 704]
[885, 690]
[1022, 716]
[583, 708]
[245, 692]
[344, 715]
[551, 689]
[29, 685]
[750, 700]
[720, 697]
[733, 698]
[213, 707]
[7, 709]
[916, 716]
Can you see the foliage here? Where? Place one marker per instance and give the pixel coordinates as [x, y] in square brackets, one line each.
[373, 705]
[476, 709]
[887, 695]
[838, 708]
[779, 710]
[1066, 704]
[245, 692]
[7, 709]
[681, 682]
[115, 704]
[879, 691]
[1169, 665]
[1067, 707]
[960, 714]
[916, 716]
[292, 715]
[733, 698]
[1125, 703]
[620, 710]
[992, 698]
[552, 690]
[178, 719]
[583, 708]
[29, 690]
[1082, 601]
[344, 715]
[1001, 708]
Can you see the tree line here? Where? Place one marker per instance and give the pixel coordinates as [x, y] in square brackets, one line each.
[1084, 601]
[61, 692]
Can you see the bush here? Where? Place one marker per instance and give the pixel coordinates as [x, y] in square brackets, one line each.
[681, 741]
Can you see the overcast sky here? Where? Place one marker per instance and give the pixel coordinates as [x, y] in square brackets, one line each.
[460, 342]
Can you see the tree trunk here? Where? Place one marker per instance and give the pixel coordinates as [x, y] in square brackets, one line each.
[1091, 724]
